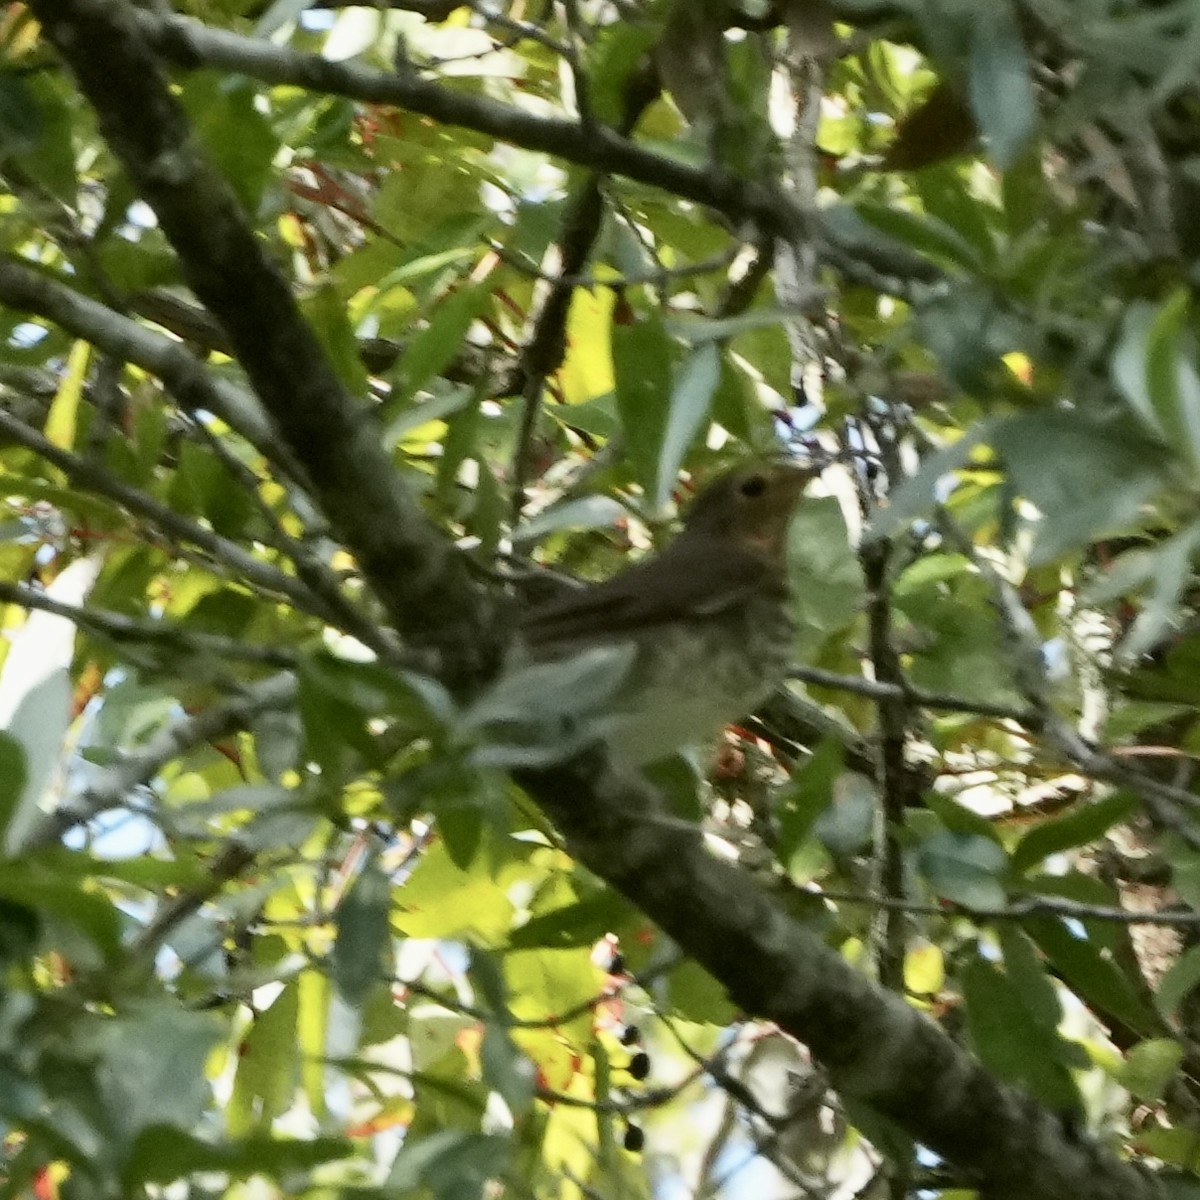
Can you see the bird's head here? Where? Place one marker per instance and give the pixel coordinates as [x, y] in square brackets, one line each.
[750, 506]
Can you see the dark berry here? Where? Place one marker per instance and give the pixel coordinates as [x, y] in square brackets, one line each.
[635, 1139]
[639, 1065]
[630, 1035]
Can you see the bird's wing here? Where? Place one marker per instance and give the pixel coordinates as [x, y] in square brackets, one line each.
[684, 582]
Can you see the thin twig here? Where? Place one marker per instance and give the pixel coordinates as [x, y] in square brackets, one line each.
[1163, 800]
[137, 768]
[943, 701]
[1027, 906]
[654, 275]
[233, 859]
[311, 571]
[649, 1098]
[182, 374]
[641, 980]
[119, 628]
[93, 477]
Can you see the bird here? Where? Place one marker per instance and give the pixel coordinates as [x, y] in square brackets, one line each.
[704, 623]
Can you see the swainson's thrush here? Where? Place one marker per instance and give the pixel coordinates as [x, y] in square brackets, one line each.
[707, 617]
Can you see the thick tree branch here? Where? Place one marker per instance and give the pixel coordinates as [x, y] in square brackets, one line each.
[188, 43]
[413, 569]
[26, 289]
[876, 1047]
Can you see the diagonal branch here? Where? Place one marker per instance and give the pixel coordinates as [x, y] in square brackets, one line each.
[189, 43]
[92, 477]
[877, 1048]
[136, 769]
[117, 627]
[28, 290]
[415, 571]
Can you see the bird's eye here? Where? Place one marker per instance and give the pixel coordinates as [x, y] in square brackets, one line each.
[753, 487]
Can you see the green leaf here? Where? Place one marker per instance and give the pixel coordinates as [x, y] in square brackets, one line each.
[1086, 823]
[1181, 979]
[546, 984]
[691, 399]
[697, 996]
[968, 327]
[440, 900]
[1154, 368]
[202, 485]
[432, 349]
[265, 1084]
[642, 356]
[926, 234]
[20, 928]
[236, 136]
[451, 1164]
[1179, 1146]
[327, 315]
[1159, 573]
[151, 1070]
[362, 951]
[162, 1154]
[339, 698]
[948, 196]
[63, 417]
[12, 777]
[1011, 1042]
[1150, 1066]
[580, 924]
[959, 819]
[418, 414]
[915, 497]
[826, 577]
[1097, 980]
[36, 120]
[965, 868]
[806, 797]
[21, 124]
[847, 825]
[1055, 458]
[507, 1070]
[92, 912]
[39, 725]
[587, 512]
[1024, 967]
[461, 826]
[545, 712]
[999, 84]
[619, 50]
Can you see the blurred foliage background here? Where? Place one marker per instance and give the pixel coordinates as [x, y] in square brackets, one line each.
[274, 918]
